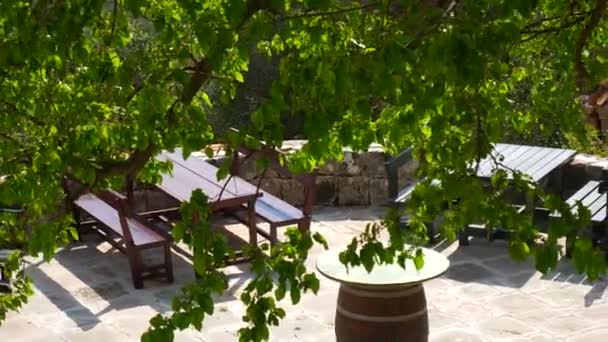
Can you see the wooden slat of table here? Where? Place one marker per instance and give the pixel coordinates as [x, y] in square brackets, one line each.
[539, 159]
[543, 158]
[528, 159]
[208, 172]
[514, 155]
[185, 180]
[181, 182]
[271, 207]
[559, 157]
[406, 193]
[204, 169]
[536, 162]
[487, 164]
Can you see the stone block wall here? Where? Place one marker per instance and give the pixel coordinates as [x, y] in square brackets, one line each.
[358, 179]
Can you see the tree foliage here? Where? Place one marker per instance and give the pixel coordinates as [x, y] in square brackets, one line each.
[92, 89]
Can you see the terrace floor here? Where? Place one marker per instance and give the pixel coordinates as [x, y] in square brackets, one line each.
[86, 294]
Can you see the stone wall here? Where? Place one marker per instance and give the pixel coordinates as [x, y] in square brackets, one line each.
[358, 179]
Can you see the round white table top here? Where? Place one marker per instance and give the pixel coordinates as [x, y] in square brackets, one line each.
[435, 264]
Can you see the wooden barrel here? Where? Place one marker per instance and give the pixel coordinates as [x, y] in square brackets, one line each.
[381, 314]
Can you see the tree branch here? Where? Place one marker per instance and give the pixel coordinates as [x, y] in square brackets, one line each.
[20, 114]
[536, 33]
[9, 138]
[201, 73]
[329, 13]
[114, 13]
[544, 20]
[554, 28]
[433, 25]
[596, 16]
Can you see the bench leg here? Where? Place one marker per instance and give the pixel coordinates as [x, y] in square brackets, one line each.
[136, 265]
[430, 232]
[304, 225]
[76, 217]
[570, 240]
[253, 232]
[168, 263]
[463, 237]
[273, 234]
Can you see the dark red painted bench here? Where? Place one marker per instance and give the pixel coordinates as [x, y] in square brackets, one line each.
[113, 218]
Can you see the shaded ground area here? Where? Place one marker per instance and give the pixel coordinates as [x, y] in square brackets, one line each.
[86, 294]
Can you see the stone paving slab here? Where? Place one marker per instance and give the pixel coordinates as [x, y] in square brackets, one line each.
[86, 294]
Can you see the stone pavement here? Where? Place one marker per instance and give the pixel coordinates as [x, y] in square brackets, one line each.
[85, 294]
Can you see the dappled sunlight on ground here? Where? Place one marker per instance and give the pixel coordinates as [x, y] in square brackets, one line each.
[86, 293]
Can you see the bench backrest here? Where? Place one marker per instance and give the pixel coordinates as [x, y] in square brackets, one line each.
[392, 171]
[120, 204]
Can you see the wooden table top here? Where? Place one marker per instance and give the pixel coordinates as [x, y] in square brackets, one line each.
[195, 173]
[535, 161]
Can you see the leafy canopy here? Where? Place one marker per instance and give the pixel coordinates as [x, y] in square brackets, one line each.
[92, 89]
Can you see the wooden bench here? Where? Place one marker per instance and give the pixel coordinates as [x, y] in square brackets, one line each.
[113, 218]
[593, 197]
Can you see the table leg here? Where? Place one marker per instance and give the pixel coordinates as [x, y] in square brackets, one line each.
[253, 232]
[562, 181]
[530, 206]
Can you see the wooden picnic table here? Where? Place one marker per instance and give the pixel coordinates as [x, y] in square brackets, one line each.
[187, 177]
[534, 161]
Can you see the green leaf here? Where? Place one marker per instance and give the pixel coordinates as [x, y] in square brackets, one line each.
[279, 293]
[311, 282]
[419, 259]
[367, 254]
[246, 298]
[295, 295]
[207, 305]
[519, 250]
